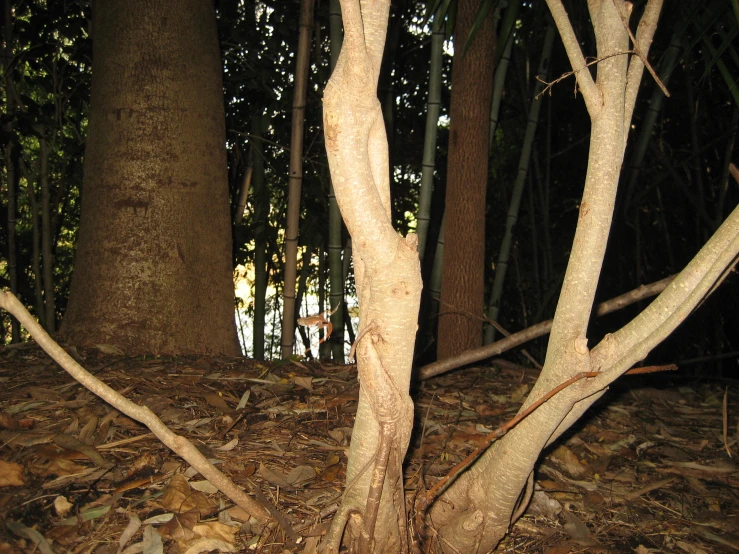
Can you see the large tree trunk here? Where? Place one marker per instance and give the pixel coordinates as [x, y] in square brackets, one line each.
[462, 284]
[153, 269]
[388, 278]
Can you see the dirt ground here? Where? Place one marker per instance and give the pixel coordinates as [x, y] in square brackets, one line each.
[650, 468]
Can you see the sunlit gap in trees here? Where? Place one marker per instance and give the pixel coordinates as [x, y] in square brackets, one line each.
[244, 292]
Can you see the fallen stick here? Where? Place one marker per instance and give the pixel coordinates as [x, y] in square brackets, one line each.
[538, 330]
[178, 444]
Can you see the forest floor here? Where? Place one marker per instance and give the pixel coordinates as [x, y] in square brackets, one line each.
[647, 469]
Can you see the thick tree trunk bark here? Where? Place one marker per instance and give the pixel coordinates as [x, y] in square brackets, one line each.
[462, 284]
[153, 271]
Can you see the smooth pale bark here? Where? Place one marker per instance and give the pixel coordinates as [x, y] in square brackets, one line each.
[469, 514]
[462, 284]
[335, 226]
[296, 177]
[153, 271]
[388, 281]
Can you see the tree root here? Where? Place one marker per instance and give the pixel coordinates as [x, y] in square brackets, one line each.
[463, 534]
[336, 531]
[366, 543]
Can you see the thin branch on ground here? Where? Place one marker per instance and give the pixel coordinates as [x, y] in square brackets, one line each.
[178, 444]
[491, 437]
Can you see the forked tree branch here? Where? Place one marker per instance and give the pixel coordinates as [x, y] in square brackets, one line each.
[590, 91]
[642, 43]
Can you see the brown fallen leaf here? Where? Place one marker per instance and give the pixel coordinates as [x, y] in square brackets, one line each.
[217, 530]
[179, 497]
[331, 473]
[304, 382]
[11, 474]
[180, 526]
[70, 443]
[217, 401]
[7, 421]
[568, 461]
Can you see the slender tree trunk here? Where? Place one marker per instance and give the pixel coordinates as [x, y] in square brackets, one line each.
[296, 176]
[153, 272]
[542, 190]
[501, 71]
[243, 194]
[429, 310]
[47, 256]
[535, 246]
[646, 129]
[694, 105]
[388, 282]
[476, 511]
[435, 282]
[324, 347]
[302, 287]
[10, 169]
[462, 286]
[335, 225]
[30, 177]
[261, 209]
[523, 166]
[433, 106]
[728, 160]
